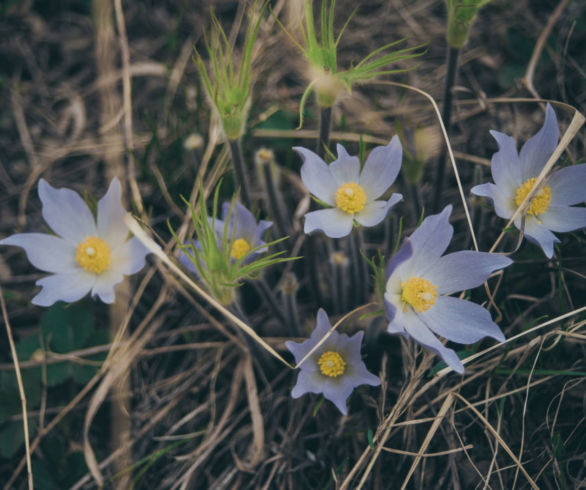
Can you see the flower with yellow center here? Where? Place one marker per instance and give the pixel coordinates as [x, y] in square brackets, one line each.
[353, 194]
[335, 368]
[419, 281]
[551, 208]
[418, 293]
[331, 364]
[350, 198]
[85, 255]
[93, 255]
[240, 248]
[540, 201]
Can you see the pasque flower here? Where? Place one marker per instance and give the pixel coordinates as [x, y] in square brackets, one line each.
[335, 368]
[84, 255]
[243, 234]
[514, 175]
[352, 193]
[419, 280]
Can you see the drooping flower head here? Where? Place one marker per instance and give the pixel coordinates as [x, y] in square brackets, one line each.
[84, 255]
[335, 368]
[514, 175]
[419, 280]
[351, 192]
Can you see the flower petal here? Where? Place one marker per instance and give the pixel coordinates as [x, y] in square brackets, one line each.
[461, 321]
[105, 283]
[505, 165]
[245, 222]
[381, 168]
[338, 393]
[430, 240]
[568, 185]
[307, 382]
[317, 176]
[464, 270]
[503, 203]
[404, 253]
[564, 218]
[68, 287]
[129, 258]
[540, 235]
[333, 222]
[345, 168]
[46, 252]
[415, 327]
[111, 226]
[537, 150]
[66, 213]
[374, 212]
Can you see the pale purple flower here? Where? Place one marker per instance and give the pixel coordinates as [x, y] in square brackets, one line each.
[84, 255]
[335, 368]
[515, 173]
[352, 193]
[419, 280]
[246, 236]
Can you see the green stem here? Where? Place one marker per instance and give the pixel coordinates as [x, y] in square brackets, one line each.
[240, 171]
[325, 125]
[275, 201]
[452, 69]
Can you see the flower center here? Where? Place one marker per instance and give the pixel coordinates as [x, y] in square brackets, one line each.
[541, 198]
[418, 293]
[93, 254]
[350, 197]
[331, 364]
[239, 248]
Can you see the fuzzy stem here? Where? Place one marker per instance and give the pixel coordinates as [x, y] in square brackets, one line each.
[275, 201]
[452, 69]
[240, 171]
[325, 125]
[289, 296]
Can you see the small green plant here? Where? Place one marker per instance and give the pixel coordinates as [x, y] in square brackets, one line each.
[461, 15]
[224, 253]
[320, 50]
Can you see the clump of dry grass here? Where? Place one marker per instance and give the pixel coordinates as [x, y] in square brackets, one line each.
[111, 90]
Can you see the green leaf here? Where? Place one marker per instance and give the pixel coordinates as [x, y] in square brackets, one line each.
[12, 437]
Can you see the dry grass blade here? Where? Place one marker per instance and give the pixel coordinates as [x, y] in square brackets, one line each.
[432, 430]
[500, 440]
[20, 391]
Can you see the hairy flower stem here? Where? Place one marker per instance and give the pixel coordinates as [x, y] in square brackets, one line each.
[289, 289]
[264, 291]
[240, 171]
[359, 271]
[275, 201]
[325, 126]
[452, 69]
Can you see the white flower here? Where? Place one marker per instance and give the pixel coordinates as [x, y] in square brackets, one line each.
[352, 193]
[84, 255]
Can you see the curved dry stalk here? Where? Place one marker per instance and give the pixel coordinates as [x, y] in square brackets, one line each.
[21, 391]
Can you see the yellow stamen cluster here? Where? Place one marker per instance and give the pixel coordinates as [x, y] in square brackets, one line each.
[240, 247]
[418, 293]
[331, 364]
[541, 198]
[350, 197]
[93, 254]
